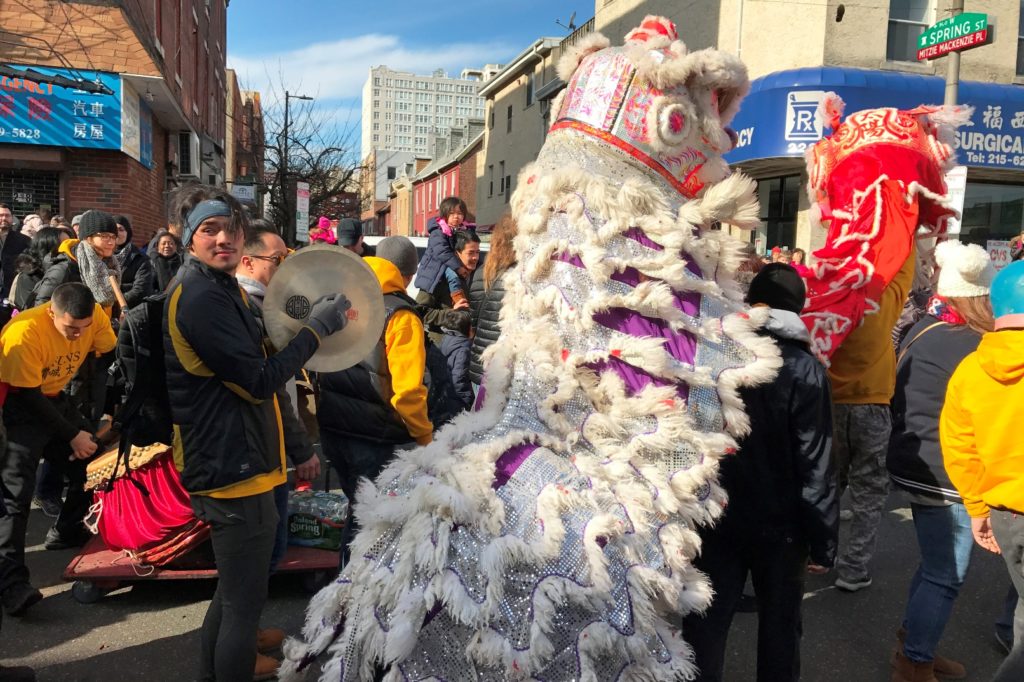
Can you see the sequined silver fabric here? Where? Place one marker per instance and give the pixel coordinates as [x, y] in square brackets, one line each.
[584, 576]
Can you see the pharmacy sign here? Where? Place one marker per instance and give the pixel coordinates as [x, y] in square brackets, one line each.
[954, 34]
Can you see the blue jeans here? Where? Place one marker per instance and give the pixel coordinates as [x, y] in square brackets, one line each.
[945, 539]
[453, 279]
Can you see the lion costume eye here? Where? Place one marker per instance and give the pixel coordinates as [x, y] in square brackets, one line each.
[671, 121]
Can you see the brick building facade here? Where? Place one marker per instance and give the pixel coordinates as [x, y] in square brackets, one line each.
[164, 61]
[455, 174]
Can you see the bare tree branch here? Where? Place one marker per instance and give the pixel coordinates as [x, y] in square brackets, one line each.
[322, 151]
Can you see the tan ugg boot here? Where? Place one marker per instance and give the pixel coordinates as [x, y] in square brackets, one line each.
[906, 670]
[944, 667]
[269, 639]
[266, 668]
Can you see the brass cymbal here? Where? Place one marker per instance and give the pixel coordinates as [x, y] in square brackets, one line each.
[316, 271]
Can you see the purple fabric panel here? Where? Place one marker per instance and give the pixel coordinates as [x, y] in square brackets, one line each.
[636, 379]
[509, 461]
[688, 302]
[638, 235]
[681, 345]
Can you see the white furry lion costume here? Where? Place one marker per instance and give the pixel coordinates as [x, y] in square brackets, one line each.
[550, 534]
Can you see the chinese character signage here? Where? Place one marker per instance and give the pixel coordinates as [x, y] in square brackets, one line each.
[779, 118]
[44, 114]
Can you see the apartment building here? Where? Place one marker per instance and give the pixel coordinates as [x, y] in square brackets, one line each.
[401, 111]
[157, 120]
[866, 52]
[245, 149]
[403, 114]
[452, 172]
[517, 109]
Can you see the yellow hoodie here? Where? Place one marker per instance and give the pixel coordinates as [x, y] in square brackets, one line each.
[404, 347]
[67, 248]
[980, 425]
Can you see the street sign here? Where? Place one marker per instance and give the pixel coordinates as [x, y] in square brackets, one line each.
[243, 192]
[302, 211]
[953, 34]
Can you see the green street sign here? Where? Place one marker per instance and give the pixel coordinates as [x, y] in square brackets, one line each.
[953, 34]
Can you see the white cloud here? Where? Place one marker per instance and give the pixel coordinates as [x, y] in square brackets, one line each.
[338, 69]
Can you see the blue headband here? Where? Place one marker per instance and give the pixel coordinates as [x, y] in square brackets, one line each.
[211, 208]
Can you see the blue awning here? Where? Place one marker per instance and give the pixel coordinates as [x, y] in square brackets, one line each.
[777, 119]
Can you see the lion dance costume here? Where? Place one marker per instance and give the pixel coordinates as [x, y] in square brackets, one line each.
[550, 534]
[876, 180]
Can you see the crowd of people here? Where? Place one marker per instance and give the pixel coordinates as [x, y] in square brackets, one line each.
[922, 395]
[66, 292]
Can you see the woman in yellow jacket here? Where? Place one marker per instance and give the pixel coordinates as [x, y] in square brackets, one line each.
[981, 448]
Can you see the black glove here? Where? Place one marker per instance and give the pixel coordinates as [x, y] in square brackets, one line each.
[328, 314]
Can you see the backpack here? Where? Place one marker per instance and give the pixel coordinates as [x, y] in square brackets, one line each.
[442, 401]
[145, 414]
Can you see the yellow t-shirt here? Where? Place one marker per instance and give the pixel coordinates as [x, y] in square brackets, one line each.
[34, 354]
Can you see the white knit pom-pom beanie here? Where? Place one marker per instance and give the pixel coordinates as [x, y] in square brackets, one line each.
[965, 270]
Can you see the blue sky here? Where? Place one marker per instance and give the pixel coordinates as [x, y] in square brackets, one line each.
[324, 48]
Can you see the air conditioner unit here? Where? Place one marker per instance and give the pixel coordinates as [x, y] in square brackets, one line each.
[183, 152]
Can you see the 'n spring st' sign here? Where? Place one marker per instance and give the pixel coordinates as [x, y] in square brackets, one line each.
[953, 34]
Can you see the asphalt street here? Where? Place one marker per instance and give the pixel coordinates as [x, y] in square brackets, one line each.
[149, 631]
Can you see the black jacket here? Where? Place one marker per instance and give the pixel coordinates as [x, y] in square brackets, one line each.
[23, 291]
[14, 244]
[221, 383]
[914, 460]
[781, 484]
[137, 277]
[63, 269]
[485, 307]
[356, 401]
[164, 269]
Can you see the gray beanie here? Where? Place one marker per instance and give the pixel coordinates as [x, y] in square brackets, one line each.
[401, 252]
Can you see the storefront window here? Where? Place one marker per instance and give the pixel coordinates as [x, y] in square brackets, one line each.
[992, 212]
[907, 20]
[780, 199]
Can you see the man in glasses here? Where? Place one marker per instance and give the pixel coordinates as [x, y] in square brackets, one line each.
[262, 255]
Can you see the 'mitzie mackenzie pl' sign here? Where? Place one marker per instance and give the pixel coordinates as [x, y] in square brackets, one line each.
[954, 34]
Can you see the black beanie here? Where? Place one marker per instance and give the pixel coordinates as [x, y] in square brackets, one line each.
[779, 286]
[96, 222]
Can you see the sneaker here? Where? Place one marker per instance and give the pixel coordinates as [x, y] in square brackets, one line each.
[50, 506]
[18, 673]
[19, 597]
[853, 585]
[269, 639]
[1005, 640]
[266, 668]
[845, 514]
[55, 540]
